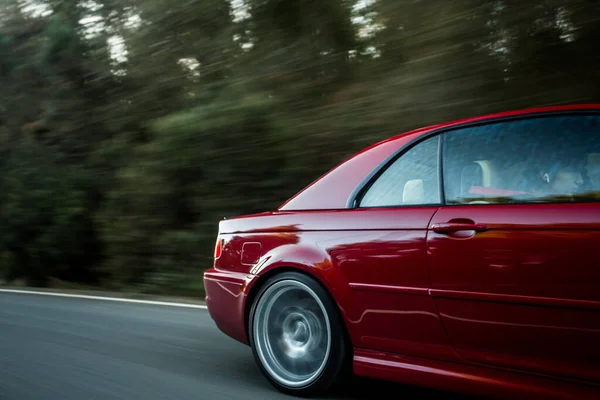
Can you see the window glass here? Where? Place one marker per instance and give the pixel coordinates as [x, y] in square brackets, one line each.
[544, 159]
[413, 179]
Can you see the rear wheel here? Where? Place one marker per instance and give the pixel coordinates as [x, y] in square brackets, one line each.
[297, 336]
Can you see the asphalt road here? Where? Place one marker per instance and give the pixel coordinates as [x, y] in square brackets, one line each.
[72, 348]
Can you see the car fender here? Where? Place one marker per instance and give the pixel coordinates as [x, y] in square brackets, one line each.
[311, 260]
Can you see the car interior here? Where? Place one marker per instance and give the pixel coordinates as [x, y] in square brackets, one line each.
[483, 182]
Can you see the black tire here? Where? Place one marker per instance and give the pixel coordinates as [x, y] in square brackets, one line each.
[310, 315]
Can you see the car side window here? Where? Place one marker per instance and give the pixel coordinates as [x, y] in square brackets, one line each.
[540, 159]
[412, 179]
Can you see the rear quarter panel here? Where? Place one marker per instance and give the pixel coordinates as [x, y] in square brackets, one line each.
[371, 261]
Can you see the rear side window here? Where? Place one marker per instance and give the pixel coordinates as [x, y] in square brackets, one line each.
[413, 179]
[542, 160]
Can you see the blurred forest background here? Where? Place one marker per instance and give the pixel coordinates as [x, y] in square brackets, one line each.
[129, 128]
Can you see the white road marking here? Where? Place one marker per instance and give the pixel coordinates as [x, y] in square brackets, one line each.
[116, 299]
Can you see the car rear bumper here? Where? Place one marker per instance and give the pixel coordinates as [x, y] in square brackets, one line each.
[226, 300]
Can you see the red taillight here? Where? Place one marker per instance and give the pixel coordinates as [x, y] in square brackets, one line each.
[218, 248]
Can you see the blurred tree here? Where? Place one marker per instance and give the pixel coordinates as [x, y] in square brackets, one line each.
[129, 128]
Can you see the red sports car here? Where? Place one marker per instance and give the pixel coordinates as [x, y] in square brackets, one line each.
[463, 256]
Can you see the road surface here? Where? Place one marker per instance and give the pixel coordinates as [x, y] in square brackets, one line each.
[74, 348]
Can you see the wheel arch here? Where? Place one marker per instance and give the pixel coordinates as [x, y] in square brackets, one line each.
[301, 269]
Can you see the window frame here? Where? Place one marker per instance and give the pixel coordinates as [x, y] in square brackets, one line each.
[358, 193]
[380, 170]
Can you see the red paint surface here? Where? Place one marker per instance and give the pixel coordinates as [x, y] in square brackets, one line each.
[467, 379]
[529, 252]
[509, 305]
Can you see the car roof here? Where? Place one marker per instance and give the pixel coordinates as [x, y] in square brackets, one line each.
[332, 190]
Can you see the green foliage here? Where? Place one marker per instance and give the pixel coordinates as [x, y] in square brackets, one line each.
[169, 199]
[116, 166]
[43, 217]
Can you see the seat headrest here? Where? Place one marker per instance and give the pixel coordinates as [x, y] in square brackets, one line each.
[486, 168]
[414, 193]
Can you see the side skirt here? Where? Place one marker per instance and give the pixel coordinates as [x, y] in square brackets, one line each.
[466, 379]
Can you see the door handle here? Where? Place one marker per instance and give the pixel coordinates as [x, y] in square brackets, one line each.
[451, 227]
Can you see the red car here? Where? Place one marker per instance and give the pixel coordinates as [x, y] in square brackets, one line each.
[463, 256]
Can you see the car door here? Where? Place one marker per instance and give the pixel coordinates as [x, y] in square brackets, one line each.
[385, 260]
[514, 255]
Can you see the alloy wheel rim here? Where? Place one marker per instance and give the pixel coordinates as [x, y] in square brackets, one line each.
[292, 333]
